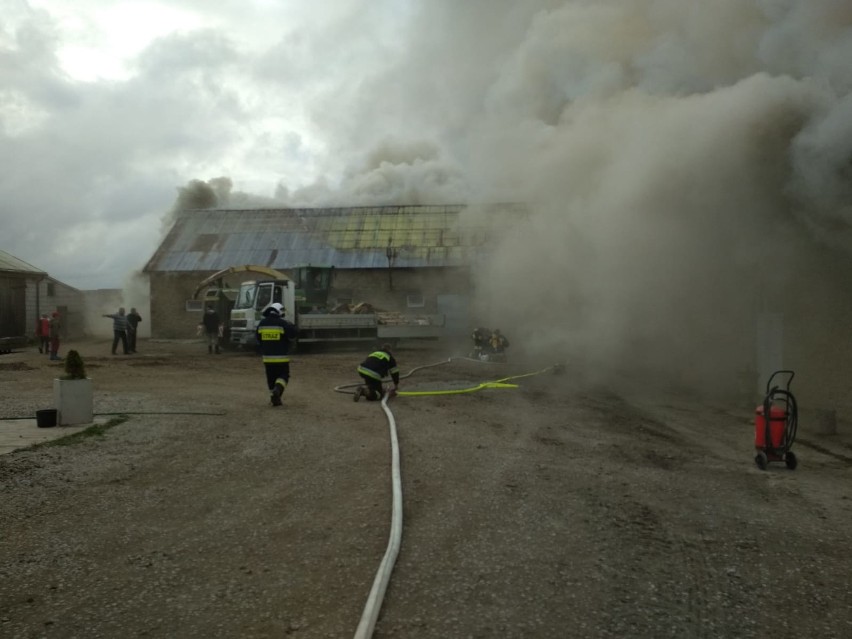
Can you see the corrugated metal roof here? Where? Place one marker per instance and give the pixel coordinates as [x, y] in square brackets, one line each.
[10, 263]
[436, 236]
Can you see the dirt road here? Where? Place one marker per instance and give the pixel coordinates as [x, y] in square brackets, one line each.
[557, 509]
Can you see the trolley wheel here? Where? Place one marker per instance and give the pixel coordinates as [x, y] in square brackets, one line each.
[791, 461]
[761, 460]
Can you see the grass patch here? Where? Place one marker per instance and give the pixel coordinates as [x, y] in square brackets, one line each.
[95, 430]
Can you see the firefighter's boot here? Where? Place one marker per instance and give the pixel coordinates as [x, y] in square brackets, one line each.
[277, 392]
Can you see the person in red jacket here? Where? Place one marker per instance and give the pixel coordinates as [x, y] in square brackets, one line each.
[55, 330]
[43, 333]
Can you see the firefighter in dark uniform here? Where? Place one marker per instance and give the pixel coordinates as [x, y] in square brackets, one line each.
[480, 340]
[498, 342]
[274, 335]
[378, 365]
[498, 345]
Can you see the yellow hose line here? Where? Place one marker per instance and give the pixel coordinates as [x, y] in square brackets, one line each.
[543, 370]
[500, 383]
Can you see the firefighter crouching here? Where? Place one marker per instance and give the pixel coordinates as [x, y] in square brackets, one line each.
[274, 335]
[497, 346]
[378, 365]
[480, 338]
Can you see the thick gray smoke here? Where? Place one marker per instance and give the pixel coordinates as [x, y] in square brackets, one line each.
[687, 164]
[684, 162]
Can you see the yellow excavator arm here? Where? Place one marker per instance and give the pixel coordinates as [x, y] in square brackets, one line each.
[263, 270]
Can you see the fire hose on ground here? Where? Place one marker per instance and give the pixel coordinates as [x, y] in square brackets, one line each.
[380, 583]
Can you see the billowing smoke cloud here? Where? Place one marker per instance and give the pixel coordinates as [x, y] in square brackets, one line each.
[655, 222]
[681, 161]
[392, 172]
[678, 178]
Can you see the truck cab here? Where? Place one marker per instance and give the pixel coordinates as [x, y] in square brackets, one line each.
[254, 297]
[313, 284]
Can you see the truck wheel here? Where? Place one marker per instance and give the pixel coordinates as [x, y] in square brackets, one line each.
[761, 460]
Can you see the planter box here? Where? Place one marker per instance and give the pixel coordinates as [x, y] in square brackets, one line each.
[73, 401]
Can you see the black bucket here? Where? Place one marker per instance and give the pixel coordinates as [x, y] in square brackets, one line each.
[46, 418]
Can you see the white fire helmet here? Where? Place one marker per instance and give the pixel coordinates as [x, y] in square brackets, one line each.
[277, 307]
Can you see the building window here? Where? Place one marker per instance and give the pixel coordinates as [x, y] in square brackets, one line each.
[194, 306]
[51, 289]
[415, 300]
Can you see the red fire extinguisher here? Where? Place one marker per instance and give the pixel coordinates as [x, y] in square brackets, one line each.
[775, 424]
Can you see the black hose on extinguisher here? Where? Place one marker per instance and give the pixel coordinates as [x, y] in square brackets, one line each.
[782, 396]
[791, 412]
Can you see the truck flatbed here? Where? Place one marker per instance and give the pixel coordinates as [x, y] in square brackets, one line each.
[353, 327]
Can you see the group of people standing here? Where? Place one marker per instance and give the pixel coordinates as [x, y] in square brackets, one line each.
[124, 329]
[48, 329]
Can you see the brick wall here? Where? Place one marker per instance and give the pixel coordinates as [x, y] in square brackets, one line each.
[169, 296]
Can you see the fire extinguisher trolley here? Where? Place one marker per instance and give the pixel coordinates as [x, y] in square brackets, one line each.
[775, 424]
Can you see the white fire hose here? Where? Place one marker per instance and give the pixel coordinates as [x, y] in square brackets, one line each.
[380, 583]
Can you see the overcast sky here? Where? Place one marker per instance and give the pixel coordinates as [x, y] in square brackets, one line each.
[108, 107]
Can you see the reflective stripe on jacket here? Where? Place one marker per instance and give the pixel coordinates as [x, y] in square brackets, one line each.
[274, 335]
[379, 365]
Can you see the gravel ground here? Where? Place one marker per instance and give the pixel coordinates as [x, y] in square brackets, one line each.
[558, 509]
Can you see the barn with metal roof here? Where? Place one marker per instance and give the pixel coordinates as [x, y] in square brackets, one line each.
[389, 256]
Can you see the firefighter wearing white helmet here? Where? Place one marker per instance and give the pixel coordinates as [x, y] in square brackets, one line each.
[274, 335]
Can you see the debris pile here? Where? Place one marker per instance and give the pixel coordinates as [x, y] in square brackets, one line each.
[362, 308]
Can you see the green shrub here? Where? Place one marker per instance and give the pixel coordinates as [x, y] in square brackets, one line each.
[74, 367]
